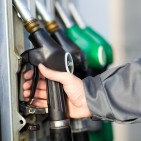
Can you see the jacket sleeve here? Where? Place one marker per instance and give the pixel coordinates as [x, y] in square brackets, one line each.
[115, 95]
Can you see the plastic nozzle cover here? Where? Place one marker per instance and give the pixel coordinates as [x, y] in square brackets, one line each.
[23, 10]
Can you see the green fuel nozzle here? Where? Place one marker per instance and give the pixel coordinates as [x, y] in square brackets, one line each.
[80, 65]
[49, 53]
[94, 52]
[88, 30]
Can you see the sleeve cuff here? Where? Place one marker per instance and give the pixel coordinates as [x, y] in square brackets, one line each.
[97, 99]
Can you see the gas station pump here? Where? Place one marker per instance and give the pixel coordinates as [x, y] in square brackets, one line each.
[23, 45]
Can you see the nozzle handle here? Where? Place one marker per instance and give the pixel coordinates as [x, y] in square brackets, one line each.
[56, 101]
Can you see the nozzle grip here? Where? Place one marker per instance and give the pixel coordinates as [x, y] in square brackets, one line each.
[56, 101]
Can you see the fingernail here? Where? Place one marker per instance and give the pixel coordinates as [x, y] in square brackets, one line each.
[40, 65]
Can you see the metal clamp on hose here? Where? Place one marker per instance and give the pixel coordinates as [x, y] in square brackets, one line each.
[58, 124]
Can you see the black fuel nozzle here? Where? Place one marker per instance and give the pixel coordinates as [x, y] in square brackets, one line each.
[49, 53]
[55, 58]
[80, 65]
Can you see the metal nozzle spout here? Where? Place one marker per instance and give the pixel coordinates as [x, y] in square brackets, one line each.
[30, 22]
[76, 16]
[68, 23]
[43, 12]
[50, 24]
[24, 12]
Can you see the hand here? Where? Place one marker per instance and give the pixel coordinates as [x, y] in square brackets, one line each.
[72, 85]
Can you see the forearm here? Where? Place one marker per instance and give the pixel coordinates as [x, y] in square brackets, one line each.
[115, 95]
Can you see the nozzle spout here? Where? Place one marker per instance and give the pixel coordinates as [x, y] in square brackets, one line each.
[43, 12]
[68, 23]
[76, 16]
[30, 22]
[23, 11]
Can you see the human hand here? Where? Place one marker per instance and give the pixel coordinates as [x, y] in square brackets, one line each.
[72, 85]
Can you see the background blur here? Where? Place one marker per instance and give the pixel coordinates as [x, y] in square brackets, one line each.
[119, 22]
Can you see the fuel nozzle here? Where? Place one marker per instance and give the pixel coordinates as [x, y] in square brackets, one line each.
[51, 25]
[95, 53]
[87, 29]
[49, 53]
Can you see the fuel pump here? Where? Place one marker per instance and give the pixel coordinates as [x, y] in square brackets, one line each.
[49, 53]
[79, 126]
[21, 118]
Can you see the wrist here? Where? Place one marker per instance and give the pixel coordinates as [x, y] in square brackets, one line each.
[87, 110]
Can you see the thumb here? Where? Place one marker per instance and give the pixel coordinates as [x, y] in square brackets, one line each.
[61, 77]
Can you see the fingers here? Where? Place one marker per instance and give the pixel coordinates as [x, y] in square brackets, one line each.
[50, 74]
[41, 85]
[29, 74]
[61, 77]
[41, 94]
